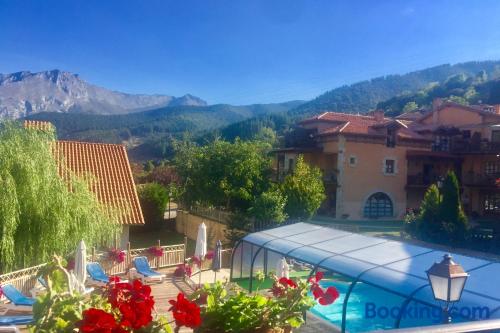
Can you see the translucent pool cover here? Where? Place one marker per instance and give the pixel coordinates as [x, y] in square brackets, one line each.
[394, 266]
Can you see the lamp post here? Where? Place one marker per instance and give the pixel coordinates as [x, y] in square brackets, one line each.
[447, 280]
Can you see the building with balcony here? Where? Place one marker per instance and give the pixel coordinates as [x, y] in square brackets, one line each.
[378, 167]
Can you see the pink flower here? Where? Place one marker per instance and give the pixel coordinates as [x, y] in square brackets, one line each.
[209, 255]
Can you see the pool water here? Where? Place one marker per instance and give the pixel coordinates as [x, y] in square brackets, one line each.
[370, 308]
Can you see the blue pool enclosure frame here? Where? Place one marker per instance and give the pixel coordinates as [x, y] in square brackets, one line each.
[394, 266]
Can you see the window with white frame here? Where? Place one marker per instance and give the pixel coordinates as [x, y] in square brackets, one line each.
[389, 166]
[353, 160]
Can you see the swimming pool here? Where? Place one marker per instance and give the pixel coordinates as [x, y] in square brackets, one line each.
[371, 308]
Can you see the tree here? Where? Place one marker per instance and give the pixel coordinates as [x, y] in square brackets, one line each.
[410, 106]
[458, 100]
[154, 198]
[429, 226]
[451, 213]
[269, 206]
[441, 218]
[39, 214]
[223, 174]
[304, 190]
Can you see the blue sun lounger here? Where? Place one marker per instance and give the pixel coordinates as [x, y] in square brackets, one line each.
[18, 301]
[15, 320]
[98, 276]
[145, 272]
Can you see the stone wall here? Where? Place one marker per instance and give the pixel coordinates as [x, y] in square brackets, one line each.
[187, 224]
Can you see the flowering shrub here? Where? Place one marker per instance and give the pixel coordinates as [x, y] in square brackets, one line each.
[155, 251]
[183, 270]
[70, 265]
[123, 307]
[195, 260]
[97, 320]
[209, 255]
[116, 255]
[230, 309]
[185, 312]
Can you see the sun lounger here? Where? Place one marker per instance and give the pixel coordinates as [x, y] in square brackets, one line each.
[97, 275]
[144, 271]
[18, 301]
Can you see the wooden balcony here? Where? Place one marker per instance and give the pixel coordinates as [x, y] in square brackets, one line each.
[468, 146]
[482, 180]
[421, 180]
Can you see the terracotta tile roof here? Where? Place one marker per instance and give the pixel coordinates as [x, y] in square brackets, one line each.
[352, 124]
[109, 170]
[472, 108]
[39, 125]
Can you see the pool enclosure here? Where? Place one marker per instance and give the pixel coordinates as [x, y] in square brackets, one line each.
[392, 267]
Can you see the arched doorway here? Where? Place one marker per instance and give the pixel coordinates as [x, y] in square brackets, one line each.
[378, 205]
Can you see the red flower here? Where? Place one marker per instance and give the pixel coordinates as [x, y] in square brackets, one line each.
[116, 255]
[134, 301]
[70, 265]
[280, 286]
[114, 279]
[318, 277]
[182, 270]
[196, 260]
[209, 255]
[287, 282]
[328, 297]
[185, 312]
[156, 251]
[98, 321]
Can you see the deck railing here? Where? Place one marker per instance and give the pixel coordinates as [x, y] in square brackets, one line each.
[173, 255]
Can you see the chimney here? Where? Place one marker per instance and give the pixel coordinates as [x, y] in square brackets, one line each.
[378, 115]
[436, 103]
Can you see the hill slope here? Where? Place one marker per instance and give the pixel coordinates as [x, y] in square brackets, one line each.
[26, 93]
[363, 96]
[142, 126]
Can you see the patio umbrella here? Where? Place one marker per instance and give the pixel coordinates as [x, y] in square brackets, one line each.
[217, 260]
[80, 266]
[282, 268]
[201, 245]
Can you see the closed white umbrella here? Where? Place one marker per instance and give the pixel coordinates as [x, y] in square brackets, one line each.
[201, 245]
[80, 270]
[282, 268]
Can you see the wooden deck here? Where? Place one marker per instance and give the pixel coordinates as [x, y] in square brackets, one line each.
[168, 290]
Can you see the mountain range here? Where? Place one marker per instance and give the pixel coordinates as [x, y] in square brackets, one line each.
[25, 93]
[151, 132]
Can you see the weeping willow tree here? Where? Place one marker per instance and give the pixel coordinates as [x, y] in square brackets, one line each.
[40, 213]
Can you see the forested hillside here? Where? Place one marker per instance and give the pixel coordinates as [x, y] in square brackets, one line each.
[468, 83]
[458, 88]
[150, 134]
[363, 96]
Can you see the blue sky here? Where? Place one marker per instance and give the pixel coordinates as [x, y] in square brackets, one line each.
[243, 52]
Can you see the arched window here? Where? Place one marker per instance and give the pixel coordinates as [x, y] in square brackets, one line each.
[378, 205]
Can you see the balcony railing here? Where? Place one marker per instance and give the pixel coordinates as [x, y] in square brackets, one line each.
[470, 146]
[423, 180]
[478, 179]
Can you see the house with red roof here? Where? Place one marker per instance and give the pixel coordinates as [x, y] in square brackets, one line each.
[375, 167]
[107, 169]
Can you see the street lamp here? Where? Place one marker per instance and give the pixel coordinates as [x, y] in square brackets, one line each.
[447, 280]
